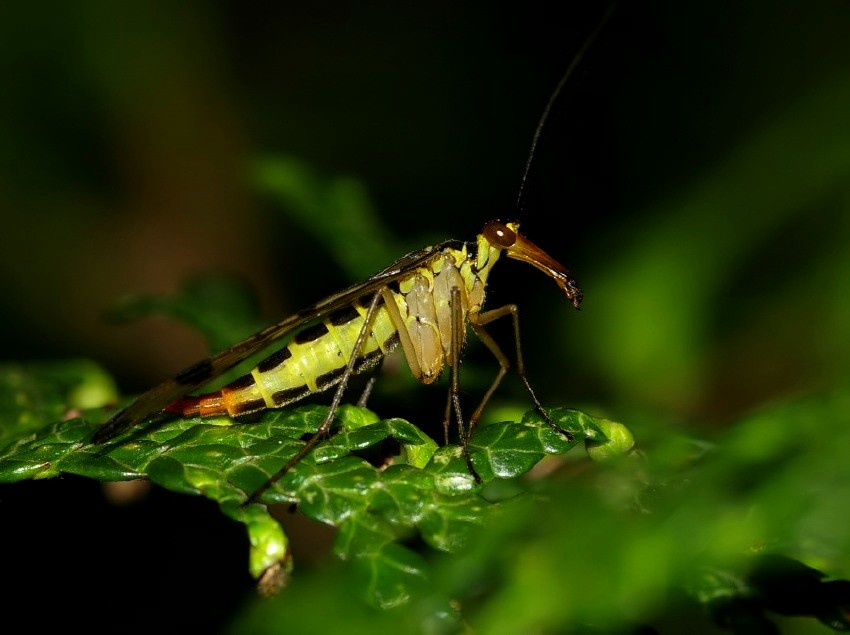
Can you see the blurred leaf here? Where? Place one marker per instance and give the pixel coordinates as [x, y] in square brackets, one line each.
[222, 308]
[779, 196]
[336, 211]
[34, 394]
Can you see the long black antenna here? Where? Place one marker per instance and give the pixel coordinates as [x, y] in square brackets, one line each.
[588, 42]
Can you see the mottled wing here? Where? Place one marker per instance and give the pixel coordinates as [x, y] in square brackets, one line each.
[157, 398]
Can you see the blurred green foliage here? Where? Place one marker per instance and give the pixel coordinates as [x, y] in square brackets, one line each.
[695, 179]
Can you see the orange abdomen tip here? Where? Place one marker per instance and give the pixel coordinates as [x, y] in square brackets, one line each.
[208, 405]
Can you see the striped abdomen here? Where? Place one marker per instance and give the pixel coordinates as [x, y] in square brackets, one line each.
[313, 361]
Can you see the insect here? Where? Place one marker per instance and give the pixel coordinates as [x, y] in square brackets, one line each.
[422, 302]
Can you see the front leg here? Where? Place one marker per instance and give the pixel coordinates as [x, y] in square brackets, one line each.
[478, 321]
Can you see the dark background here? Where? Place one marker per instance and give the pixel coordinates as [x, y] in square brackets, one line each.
[693, 177]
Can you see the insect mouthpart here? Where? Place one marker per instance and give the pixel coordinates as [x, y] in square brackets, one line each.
[525, 250]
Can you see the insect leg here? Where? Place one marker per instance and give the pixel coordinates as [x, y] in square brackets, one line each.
[456, 339]
[448, 415]
[478, 321]
[367, 390]
[454, 381]
[337, 398]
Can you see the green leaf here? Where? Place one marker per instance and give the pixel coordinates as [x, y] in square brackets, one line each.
[376, 508]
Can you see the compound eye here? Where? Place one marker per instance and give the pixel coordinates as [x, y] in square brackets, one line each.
[499, 234]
